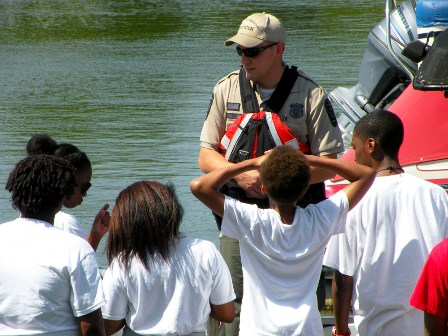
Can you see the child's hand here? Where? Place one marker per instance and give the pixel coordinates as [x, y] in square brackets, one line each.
[100, 227]
[101, 222]
[259, 160]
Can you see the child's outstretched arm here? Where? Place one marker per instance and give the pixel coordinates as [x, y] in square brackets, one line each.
[360, 176]
[206, 187]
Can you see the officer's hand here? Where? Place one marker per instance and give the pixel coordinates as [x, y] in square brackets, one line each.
[250, 182]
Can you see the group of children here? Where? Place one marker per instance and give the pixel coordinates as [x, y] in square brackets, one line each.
[160, 282]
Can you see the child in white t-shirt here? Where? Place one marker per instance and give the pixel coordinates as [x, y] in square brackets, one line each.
[160, 282]
[50, 282]
[282, 247]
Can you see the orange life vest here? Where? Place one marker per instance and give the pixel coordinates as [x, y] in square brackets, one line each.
[252, 134]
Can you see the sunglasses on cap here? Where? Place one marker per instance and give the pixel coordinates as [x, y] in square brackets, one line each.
[253, 52]
[84, 187]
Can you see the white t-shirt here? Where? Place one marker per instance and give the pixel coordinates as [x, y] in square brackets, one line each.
[282, 263]
[69, 223]
[47, 278]
[388, 237]
[175, 295]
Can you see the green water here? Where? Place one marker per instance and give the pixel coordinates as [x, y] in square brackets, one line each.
[129, 81]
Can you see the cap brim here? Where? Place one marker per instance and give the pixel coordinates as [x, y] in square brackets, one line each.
[244, 40]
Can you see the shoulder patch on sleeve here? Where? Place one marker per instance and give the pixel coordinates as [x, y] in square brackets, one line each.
[210, 105]
[330, 112]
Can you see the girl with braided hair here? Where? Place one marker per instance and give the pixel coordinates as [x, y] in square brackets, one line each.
[50, 282]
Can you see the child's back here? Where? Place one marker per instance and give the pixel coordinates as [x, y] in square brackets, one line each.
[282, 263]
[193, 275]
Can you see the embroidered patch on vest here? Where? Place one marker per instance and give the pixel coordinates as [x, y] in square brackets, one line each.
[330, 112]
[296, 110]
[233, 106]
[230, 115]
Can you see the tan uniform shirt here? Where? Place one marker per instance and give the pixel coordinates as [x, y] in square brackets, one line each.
[307, 112]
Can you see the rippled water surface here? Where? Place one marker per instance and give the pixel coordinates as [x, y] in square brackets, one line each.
[129, 81]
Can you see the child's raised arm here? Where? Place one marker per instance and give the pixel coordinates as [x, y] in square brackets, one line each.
[206, 187]
[360, 176]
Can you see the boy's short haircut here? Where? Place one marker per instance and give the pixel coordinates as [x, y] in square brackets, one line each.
[383, 126]
[285, 174]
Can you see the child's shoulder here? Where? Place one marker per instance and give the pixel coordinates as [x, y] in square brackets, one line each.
[195, 243]
[335, 205]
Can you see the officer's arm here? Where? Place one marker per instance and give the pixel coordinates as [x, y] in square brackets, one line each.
[206, 187]
[210, 160]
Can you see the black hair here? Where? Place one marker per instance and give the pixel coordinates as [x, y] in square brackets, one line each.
[65, 149]
[285, 174]
[385, 127]
[39, 183]
[74, 155]
[41, 143]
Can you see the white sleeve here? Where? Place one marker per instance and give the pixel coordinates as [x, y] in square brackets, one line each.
[222, 287]
[238, 217]
[229, 225]
[342, 251]
[330, 214]
[70, 224]
[87, 292]
[116, 307]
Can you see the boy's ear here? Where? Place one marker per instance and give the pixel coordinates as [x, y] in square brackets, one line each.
[263, 189]
[371, 145]
[375, 150]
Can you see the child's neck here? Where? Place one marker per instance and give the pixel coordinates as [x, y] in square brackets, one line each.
[388, 167]
[287, 212]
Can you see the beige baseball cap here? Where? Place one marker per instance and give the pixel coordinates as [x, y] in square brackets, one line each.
[257, 28]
